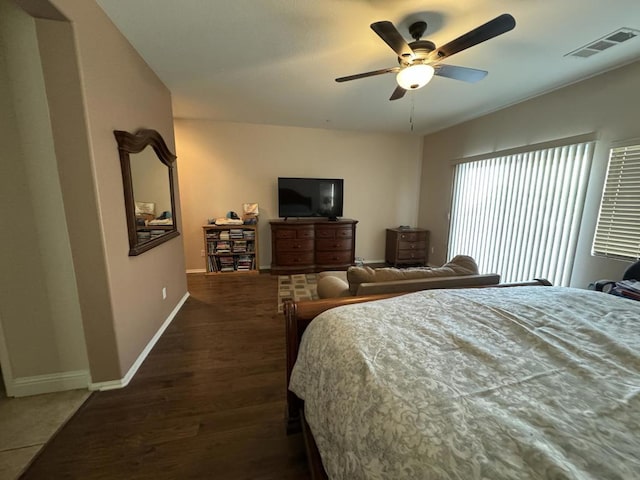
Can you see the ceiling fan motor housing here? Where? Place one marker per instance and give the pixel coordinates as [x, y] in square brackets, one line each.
[421, 50]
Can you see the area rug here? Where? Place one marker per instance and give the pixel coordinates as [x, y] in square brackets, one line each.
[296, 287]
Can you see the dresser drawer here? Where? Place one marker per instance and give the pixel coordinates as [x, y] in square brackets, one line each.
[417, 255]
[333, 244]
[288, 259]
[326, 232]
[292, 245]
[301, 233]
[285, 233]
[305, 233]
[412, 236]
[344, 233]
[412, 245]
[333, 258]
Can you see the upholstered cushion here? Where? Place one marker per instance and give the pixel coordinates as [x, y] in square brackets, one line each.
[332, 285]
[459, 265]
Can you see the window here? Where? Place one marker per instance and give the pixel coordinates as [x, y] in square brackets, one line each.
[618, 230]
[519, 215]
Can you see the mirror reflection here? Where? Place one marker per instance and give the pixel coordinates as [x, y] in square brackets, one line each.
[151, 195]
[147, 179]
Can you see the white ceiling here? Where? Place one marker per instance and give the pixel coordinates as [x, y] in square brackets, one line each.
[275, 61]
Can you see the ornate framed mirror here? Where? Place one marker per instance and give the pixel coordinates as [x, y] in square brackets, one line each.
[147, 178]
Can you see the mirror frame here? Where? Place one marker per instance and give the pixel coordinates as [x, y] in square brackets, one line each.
[129, 143]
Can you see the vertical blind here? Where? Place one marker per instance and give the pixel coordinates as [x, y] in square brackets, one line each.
[519, 215]
[618, 231]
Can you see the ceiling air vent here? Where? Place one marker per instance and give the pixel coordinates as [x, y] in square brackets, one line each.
[611, 40]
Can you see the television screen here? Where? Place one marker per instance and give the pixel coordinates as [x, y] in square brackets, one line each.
[310, 197]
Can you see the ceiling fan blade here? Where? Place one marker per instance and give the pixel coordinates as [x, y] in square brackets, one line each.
[368, 74]
[387, 32]
[397, 93]
[492, 28]
[470, 75]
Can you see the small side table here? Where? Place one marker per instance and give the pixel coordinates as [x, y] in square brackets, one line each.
[407, 246]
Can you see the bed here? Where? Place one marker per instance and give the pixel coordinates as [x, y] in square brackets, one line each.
[491, 383]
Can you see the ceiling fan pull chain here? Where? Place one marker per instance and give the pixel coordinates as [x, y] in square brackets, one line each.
[411, 114]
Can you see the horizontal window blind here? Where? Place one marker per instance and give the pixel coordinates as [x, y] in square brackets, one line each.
[618, 230]
[519, 215]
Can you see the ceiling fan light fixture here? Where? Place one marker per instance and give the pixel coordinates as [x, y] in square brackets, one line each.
[415, 76]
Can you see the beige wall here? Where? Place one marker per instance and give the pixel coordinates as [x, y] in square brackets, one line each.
[223, 165]
[72, 245]
[40, 314]
[606, 105]
[120, 92]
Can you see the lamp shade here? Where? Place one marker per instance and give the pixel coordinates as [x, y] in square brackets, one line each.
[415, 76]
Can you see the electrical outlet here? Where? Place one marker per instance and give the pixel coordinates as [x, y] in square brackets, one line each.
[433, 249]
[202, 253]
[164, 293]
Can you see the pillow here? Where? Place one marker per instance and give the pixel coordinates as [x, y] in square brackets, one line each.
[330, 286]
[462, 265]
[146, 208]
[358, 275]
[458, 265]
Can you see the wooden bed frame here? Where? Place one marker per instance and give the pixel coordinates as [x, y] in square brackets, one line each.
[298, 316]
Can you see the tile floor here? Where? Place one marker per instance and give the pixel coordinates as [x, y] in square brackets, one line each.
[26, 423]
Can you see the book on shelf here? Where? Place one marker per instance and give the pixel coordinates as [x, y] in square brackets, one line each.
[223, 247]
[245, 263]
[227, 264]
[212, 264]
[239, 246]
[236, 233]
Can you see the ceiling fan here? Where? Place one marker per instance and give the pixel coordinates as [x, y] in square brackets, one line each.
[420, 60]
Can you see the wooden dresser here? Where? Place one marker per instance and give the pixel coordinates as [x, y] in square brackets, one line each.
[312, 245]
[407, 246]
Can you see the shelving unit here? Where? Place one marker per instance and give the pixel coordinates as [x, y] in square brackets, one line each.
[231, 249]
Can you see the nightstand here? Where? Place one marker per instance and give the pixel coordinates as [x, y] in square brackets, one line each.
[407, 246]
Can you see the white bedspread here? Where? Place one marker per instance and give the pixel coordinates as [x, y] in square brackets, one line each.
[515, 383]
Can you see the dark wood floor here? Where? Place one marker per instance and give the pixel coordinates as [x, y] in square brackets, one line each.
[208, 402]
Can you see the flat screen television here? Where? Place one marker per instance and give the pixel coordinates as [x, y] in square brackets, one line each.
[310, 197]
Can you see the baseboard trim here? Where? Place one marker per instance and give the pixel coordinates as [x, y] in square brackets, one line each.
[196, 270]
[123, 382]
[48, 383]
[374, 262]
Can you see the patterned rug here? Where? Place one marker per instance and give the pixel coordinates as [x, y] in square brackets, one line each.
[296, 287]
